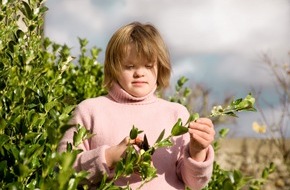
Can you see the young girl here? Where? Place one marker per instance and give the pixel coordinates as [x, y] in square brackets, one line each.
[136, 64]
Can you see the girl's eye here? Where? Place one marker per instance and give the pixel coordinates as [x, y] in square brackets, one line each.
[129, 66]
[149, 66]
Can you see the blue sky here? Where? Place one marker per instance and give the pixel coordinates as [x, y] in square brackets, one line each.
[216, 43]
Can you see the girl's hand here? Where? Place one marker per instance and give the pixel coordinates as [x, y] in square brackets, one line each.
[115, 153]
[201, 136]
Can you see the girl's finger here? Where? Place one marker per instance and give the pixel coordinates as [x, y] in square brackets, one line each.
[200, 127]
[205, 121]
[196, 134]
[199, 142]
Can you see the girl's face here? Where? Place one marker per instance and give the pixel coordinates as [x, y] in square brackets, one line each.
[138, 76]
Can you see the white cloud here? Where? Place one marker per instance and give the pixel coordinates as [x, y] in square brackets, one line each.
[67, 20]
[184, 67]
[242, 70]
[240, 26]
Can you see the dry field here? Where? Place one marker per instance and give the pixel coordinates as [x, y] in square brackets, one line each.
[251, 156]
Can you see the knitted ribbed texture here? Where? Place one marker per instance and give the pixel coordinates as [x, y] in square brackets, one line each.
[111, 118]
[121, 96]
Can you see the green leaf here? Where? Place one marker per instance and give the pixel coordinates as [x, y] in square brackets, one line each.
[3, 140]
[3, 123]
[237, 101]
[79, 135]
[68, 109]
[164, 143]
[272, 167]
[146, 157]
[237, 176]
[3, 167]
[250, 98]
[178, 129]
[192, 117]
[65, 113]
[147, 171]
[227, 185]
[265, 173]
[24, 170]
[223, 132]
[28, 12]
[31, 136]
[182, 81]
[160, 136]
[133, 133]
[119, 168]
[48, 106]
[69, 147]
[67, 160]
[129, 169]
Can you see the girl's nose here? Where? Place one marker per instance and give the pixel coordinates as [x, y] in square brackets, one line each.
[139, 72]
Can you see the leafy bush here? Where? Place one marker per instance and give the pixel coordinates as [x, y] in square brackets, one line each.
[39, 87]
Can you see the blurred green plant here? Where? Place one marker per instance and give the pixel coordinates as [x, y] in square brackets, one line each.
[39, 86]
[235, 180]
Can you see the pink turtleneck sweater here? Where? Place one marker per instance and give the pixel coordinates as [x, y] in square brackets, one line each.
[111, 118]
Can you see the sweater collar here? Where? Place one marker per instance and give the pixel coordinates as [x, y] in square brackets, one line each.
[118, 94]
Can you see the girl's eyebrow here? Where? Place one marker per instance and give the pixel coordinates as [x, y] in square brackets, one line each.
[127, 62]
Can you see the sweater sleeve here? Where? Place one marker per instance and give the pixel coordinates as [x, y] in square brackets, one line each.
[90, 160]
[195, 174]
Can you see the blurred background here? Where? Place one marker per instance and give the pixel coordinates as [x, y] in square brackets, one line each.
[219, 45]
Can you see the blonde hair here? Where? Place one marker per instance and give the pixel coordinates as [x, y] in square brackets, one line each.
[148, 43]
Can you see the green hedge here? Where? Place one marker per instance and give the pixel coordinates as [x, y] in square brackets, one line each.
[39, 86]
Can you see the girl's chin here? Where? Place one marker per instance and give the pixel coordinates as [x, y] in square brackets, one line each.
[139, 94]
